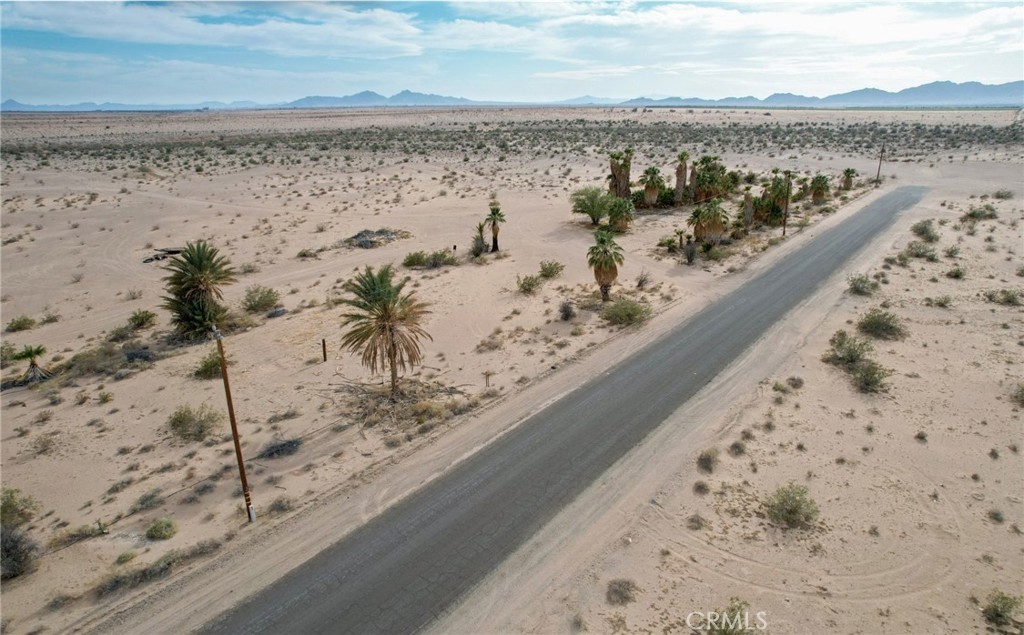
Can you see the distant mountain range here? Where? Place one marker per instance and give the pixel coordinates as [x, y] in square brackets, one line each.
[934, 95]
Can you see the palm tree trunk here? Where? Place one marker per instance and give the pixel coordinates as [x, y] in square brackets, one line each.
[494, 238]
[680, 183]
[650, 195]
[748, 210]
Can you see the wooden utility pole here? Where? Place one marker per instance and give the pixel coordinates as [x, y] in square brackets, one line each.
[323, 345]
[789, 187]
[234, 426]
[878, 176]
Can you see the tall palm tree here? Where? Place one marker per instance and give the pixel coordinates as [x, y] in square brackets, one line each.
[385, 325]
[819, 188]
[194, 288]
[604, 257]
[652, 181]
[680, 193]
[619, 163]
[493, 220]
[620, 214]
[848, 175]
[592, 201]
[709, 221]
[34, 372]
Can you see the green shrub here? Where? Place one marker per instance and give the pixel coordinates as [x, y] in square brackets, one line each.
[869, 376]
[125, 557]
[917, 249]
[550, 269]
[626, 312]
[8, 353]
[141, 319]
[884, 325]
[1009, 297]
[441, 258]
[259, 298]
[925, 230]
[732, 620]
[943, 302]
[149, 500]
[162, 529]
[209, 366]
[791, 506]
[528, 284]
[621, 592]
[1000, 607]
[20, 323]
[1002, 195]
[986, 212]
[193, 425]
[15, 508]
[862, 284]
[952, 252]
[415, 259]
[120, 334]
[956, 273]
[18, 552]
[847, 350]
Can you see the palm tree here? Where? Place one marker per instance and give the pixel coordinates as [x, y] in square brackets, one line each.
[494, 219]
[712, 179]
[681, 234]
[652, 181]
[479, 244]
[748, 208]
[34, 373]
[620, 214]
[385, 324]
[680, 193]
[848, 175]
[819, 188]
[709, 222]
[592, 201]
[620, 163]
[194, 288]
[604, 257]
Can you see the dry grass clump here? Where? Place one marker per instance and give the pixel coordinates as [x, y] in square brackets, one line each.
[156, 570]
[191, 424]
[862, 284]
[621, 591]
[1000, 608]
[707, 460]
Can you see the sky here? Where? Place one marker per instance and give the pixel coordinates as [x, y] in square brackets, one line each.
[273, 52]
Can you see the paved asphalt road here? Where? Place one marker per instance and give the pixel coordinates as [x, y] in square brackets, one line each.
[401, 569]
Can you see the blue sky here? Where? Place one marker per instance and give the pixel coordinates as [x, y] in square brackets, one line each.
[186, 52]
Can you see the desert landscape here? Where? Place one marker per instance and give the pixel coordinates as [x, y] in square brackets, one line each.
[899, 440]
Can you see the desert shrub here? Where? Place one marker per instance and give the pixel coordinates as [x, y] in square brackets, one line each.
[566, 310]
[707, 460]
[732, 620]
[626, 312]
[796, 383]
[551, 269]
[279, 448]
[1017, 396]
[696, 522]
[884, 325]
[862, 284]
[986, 212]
[280, 505]
[951, 252]
[737, 448]
[149, 500]
[528, 284]
[8, 353]
[870, 376]
[925, 230]
[77, 534]
[120, 334]
[1008, 297]
[209, 367]
[290, 413]
[162, 529]
[847, 350]
[415, 259]
[1000, 607]
[191, 424]
[956, 273]
[790, 505]
[918, 249]
[943, 302]
[621, 591]
[478, 247]
[17, 552]
[125, 557]
[259, 299]
[16, 508]
[306, 253]
[441, 258]
[20, 323]
[141, 319]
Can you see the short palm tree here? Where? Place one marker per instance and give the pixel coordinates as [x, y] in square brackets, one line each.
[652, 181]
[493, 220]
[819, 188]
[479, 244]
[620, 214]
[604, 257]
[385, 326]
[848, 175]
[592, 201]
[34, 372]
[709, 221]
[680, 193]
[194, 288]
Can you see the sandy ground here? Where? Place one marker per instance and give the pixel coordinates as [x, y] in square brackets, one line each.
[89, 197]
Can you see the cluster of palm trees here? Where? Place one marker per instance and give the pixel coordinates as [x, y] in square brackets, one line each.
[598, 204]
